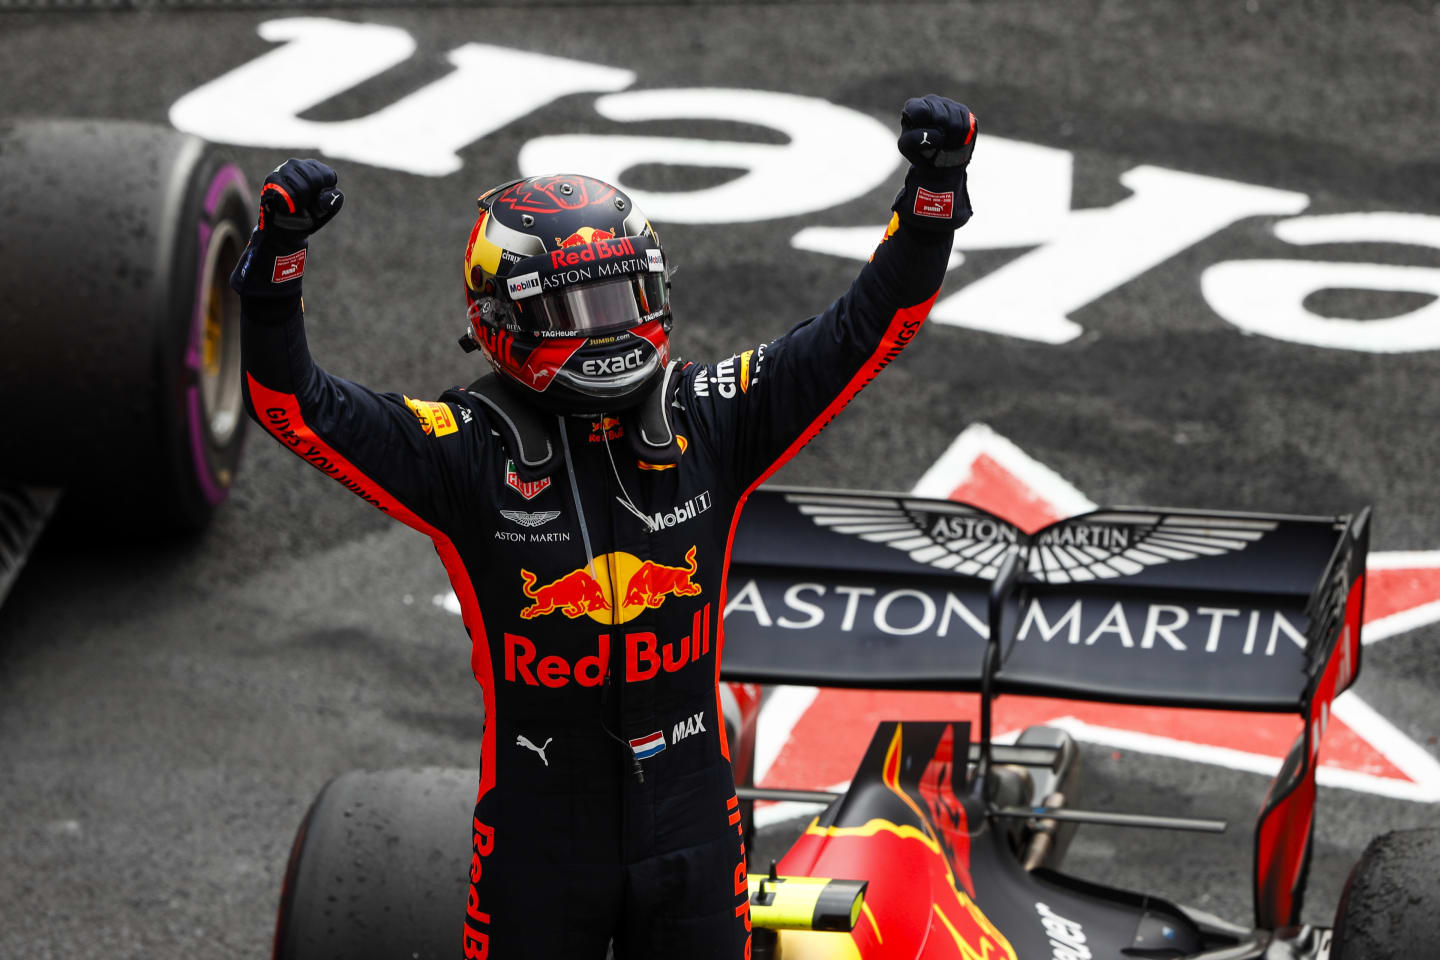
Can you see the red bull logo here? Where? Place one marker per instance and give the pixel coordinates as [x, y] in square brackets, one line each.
[611, 429]
[653, 582]
[574, 595]
[645, 657]
[601, 249]
[614, 588]
[584, 235]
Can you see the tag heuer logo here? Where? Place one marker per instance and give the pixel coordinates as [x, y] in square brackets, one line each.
[527, 489]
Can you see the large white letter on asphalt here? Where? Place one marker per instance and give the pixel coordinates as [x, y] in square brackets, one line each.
[1268, 296]
[1021, 194]
[258, 104]
[1095, 251]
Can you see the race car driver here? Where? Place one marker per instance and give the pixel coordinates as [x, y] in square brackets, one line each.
[582, 497]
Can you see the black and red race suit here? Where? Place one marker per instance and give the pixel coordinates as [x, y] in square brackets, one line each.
[597, 635]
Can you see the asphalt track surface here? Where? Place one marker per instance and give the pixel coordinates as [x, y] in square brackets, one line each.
[168, 711]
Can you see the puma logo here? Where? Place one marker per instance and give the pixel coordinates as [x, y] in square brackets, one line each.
[524, 741]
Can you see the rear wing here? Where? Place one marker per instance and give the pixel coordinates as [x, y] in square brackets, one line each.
[1161, 607]
[1241, 611]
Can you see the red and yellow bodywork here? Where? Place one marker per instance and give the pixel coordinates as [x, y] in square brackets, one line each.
[920, 899]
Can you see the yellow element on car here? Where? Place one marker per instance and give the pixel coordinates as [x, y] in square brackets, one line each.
[805, 903]
[814, 945]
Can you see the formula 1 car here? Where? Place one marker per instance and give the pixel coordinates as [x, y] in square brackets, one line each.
[119, 337]
[943, 846]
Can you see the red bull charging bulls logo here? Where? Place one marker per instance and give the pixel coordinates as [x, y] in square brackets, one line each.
[574, 595]
[593, 590]
[583, 236]
[653, 582]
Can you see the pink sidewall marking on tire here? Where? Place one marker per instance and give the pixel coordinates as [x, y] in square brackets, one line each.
[228, 176]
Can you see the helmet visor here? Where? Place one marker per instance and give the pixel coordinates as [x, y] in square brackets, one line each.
[595, 307]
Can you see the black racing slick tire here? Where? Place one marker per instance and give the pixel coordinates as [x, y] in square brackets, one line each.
[1390, 907]
[380, 868]
[119, 337]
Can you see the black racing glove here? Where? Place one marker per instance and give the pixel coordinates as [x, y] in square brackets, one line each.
[937, 136]
[298, 198]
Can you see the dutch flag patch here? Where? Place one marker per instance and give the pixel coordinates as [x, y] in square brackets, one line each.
[648, 745]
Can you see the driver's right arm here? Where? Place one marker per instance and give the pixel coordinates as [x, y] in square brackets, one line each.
[412, 459]
[408, 458]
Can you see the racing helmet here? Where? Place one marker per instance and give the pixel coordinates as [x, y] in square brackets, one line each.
[567, 293]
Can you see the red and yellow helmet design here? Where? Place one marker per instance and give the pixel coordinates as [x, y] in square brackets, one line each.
[567, 293]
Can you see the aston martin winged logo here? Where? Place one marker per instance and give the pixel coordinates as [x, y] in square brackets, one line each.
[1100, 546]
[526, 519]
[949, 537]
[1097, 546]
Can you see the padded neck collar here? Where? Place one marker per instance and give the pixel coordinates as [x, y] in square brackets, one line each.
[533, 443]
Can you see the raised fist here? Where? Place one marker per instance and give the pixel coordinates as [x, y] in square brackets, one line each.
[937, 132]
[937, 136]
[300, 197]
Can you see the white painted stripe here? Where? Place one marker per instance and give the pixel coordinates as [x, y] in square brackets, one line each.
[782, 710]
[955, 464]
[1380, 786]
[1403, 559]
[1409, 757]
[1402, 622]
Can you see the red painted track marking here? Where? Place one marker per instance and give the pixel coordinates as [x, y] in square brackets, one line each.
[992, 487]
[1395, 591]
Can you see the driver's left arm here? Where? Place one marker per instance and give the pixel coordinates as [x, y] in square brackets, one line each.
[761, 406]
[764, 404]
